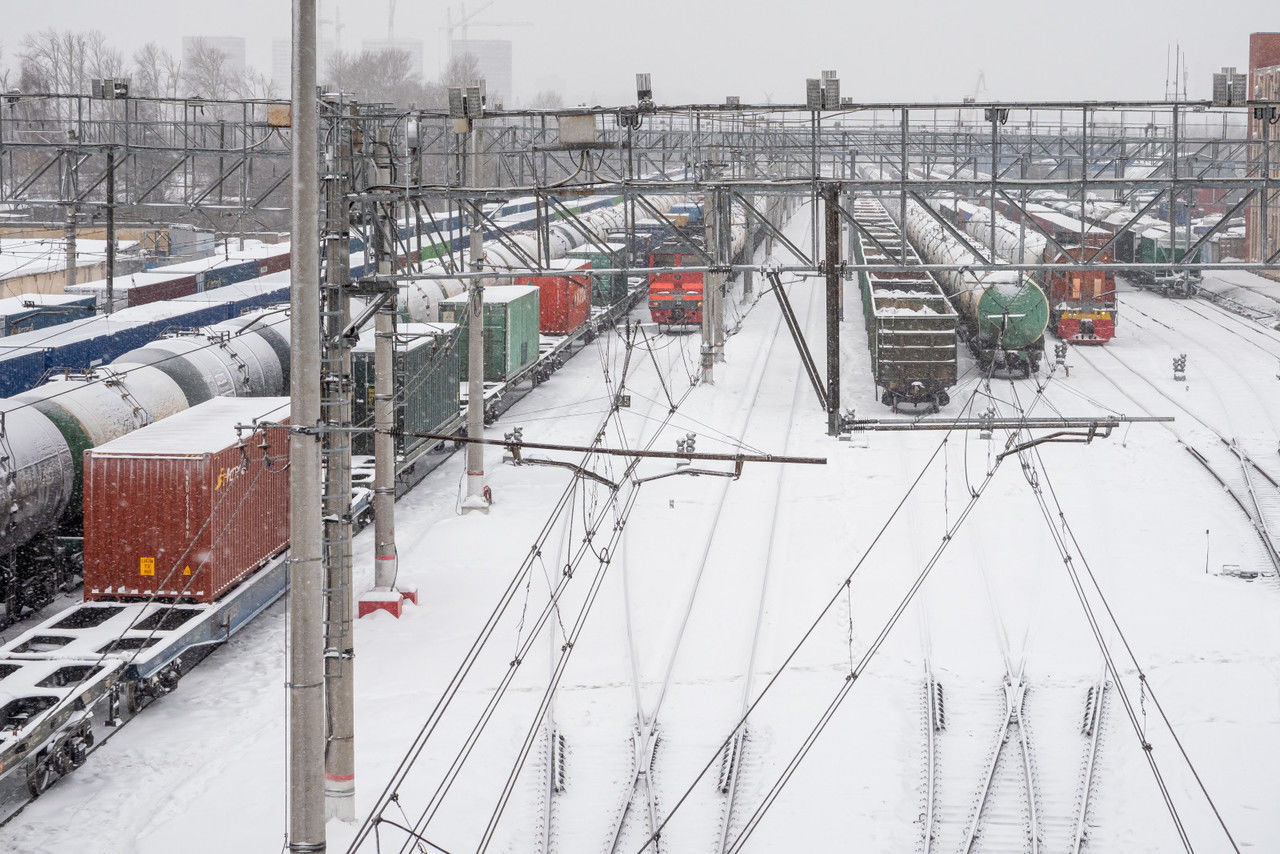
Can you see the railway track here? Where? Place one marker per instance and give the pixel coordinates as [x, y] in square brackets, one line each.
[639, 802]
[1251, 487]
[989, 784]
[731, 765]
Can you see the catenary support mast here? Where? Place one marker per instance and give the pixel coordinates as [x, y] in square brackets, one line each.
[306, 832]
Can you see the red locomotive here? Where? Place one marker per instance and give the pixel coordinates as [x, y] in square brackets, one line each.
[675, 298]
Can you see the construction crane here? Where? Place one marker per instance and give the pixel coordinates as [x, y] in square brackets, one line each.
[463, 20]
[978, 88]
[338, 27]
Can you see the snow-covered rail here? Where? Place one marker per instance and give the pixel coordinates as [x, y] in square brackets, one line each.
[1226, 461]
[731, 766]
[646, 734]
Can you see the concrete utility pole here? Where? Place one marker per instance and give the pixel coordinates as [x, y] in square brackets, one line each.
[111, 228]
[831, 200]
[69, 240]
[339, 755]
[384, 398]
[711, 225]
[476, 499]
[724, 249]
[306, 558]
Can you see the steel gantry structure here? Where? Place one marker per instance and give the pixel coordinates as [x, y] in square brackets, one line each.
[67, 160]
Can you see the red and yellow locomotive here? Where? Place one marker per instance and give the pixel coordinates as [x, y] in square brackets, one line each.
[675, 298]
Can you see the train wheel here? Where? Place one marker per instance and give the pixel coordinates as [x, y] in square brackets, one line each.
[39, 777]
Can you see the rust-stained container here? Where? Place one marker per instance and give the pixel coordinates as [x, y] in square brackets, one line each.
[564, 300]
[184, 509]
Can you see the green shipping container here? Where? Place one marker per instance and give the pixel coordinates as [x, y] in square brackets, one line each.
[606, 288]
[510, 329]
[1153, 246]
[427, 365]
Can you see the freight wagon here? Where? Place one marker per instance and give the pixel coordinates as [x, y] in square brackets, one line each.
[185, 508]
[1082, 303]
[81, 345]
[510, 329]
[189, 277]
[606, 288]
[427, 367]
[45, 431]
[1005, 314]
[1153, 247]
[911, 326]
[564, 295]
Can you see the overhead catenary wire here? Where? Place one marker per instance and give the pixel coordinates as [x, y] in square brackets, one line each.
[585, 547]
[481, 640]
[1065, 553]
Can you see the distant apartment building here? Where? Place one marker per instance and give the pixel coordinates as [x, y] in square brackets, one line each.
[232, 46]
[413, 47]
[493, 57]
[1264, 84]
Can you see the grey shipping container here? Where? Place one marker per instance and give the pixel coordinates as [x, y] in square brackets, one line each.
[427, 368]
[510, 329]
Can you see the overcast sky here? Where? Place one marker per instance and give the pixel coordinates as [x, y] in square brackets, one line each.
[706, 49]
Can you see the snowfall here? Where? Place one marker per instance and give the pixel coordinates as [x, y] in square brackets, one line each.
[721, 594]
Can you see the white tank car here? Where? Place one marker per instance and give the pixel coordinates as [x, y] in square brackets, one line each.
[979, 228]
[37, 476]
[503, 254]
[420, 299]
[939, 247]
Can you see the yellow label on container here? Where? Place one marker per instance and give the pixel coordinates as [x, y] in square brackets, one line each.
[147, 566]
[186, 571]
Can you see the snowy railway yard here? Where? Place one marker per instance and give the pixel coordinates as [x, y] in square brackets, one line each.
[887, 652]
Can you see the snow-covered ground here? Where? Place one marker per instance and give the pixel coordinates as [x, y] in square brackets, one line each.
[709, 568]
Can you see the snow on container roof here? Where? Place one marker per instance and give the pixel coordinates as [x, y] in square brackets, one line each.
[502, 293]
[595, 249]
[202, 429]
[408, 335]
[23, 302]
[1065, 221]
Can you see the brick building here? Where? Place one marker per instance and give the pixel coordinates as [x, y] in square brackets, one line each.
[1264, 84]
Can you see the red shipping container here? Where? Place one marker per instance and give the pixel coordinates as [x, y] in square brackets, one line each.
[564, 301]
[273, 264]
[156, 291]
[183, 508]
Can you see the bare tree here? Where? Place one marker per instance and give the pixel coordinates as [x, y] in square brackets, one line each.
[65, 60]
[381, 75]
[547, 99]
[463, 70]
[207, 72]
[157, 73]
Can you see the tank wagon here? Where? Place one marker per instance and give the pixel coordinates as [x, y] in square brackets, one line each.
[47, 430]
[1004, 314]
[1082, 303]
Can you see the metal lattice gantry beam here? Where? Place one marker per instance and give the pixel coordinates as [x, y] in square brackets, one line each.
[224, 164]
